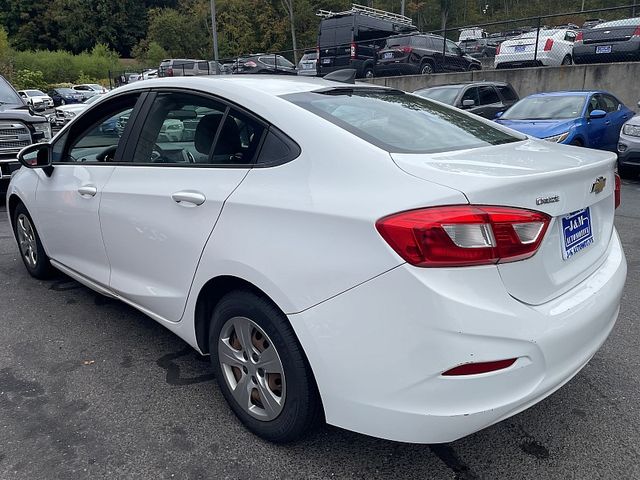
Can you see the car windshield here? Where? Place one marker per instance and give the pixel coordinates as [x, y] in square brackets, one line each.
[34, 93]
[399, 122]
[66, 91]
[546, 108]
[92, 99]
[627, 22]
[95, 86]
[8, 94]
[445, 94]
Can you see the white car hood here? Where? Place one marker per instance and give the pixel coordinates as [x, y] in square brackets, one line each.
[74, 108]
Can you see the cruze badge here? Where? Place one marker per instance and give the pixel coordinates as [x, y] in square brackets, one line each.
[598, 185]
[545, 200]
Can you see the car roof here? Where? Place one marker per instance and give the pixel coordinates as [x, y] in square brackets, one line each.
[466, 84]
[568, 92]
[274, 85]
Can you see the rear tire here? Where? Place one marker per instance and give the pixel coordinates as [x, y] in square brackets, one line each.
[368, 73]
[31, 250]
[279, 402]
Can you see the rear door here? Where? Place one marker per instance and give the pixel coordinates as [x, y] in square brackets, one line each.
[159, 208]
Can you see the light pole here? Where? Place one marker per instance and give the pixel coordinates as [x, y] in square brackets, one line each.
[215, 36]
[402, 7]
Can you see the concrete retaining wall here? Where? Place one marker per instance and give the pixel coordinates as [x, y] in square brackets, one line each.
[621, 79]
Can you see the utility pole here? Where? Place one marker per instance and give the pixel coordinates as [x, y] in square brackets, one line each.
[402, 7]
[582, 6]
[215, 36]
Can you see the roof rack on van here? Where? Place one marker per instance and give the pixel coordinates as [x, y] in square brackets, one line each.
[369, 11]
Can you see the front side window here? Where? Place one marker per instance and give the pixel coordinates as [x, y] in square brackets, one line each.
[98, 136]
[452, 48]
[507, 93]
[441, 94]
[187, 129]
[488, 95]
[471, 94]
[609, 104]
[400, 122]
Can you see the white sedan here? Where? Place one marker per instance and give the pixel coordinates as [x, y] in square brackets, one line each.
[554, 48]
[345, 252]
[37, 99]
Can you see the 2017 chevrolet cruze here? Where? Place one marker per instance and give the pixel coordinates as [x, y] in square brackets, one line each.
[352, 253]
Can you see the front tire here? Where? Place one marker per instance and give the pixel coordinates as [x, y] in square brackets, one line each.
[567, 60]
[31, 250]
[368, 73]
[426, 68]
[261, 368]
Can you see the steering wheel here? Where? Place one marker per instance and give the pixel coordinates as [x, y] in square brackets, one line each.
[157, 154]
[188, 156]
[108, 154]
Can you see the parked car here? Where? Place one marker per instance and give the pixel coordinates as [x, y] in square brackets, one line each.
[186, 67]
[308, 64]
[587, 119]
[474, 33]
[617, 41]
[65, 113]
[264, 63]
[350, 39]
[484, 267]
[479, 47]
[422, 54]
[89, 89]
[19, 127]
[629, 148]
[555, 47]
[149, 74]
[63, 96]
[482, 98]
[37, 99]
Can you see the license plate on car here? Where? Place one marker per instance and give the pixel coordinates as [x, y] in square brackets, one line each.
[520, 48]
[577, 232]
[326, 61]
[603, 49]
[388, 55]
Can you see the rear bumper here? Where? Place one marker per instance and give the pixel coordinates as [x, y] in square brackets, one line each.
[396, 68]
[378, 350]
[622, 51]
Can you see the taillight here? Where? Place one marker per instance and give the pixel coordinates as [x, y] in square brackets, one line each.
[498, 49]
[406, 49]
[548, 45]
[636, 33]
[169, 72]
[579, 37]
[250, 64]
[353, 50]
[616, 192]
[464, 235]
[477, 368]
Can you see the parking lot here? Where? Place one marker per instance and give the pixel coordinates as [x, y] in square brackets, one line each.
[91, 388]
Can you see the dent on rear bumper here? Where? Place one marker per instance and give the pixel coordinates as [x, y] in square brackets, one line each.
[378, 351]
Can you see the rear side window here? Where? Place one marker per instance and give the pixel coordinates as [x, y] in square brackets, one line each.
[507, 93]
[203, 65]
[277, 149]
[400, 122]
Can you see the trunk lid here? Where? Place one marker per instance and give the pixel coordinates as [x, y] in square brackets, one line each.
[609, 35]
[526, 174]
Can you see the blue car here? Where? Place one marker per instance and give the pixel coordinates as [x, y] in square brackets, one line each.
[65, 96]
[588, 119]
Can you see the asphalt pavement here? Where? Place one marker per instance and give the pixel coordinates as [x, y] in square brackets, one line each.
[90, 388]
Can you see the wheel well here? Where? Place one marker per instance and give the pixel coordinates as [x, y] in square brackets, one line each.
[14, 201]
[209, 296]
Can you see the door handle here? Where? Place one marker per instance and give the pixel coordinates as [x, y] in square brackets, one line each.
[88, 190]
[188, 197]
[607, 122]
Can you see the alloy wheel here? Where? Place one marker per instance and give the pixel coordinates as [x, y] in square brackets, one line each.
[427, 69]
[27, 240]
[252, 368]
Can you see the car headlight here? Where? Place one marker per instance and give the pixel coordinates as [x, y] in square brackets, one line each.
[557, 138]
[69, 114]
[44, 131]
[631, 130]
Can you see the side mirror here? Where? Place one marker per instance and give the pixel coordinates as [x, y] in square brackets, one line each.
[598, 114]
[468, 103]
[37, 155]
[498, 115]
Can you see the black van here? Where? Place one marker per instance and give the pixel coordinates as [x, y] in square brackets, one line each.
[350, 39]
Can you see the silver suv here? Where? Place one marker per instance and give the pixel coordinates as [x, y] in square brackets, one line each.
[186, 67]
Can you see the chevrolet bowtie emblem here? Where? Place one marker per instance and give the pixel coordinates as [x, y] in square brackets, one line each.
[598, 185]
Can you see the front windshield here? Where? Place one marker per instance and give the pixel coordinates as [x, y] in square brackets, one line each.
[66, 91]
[445, 95]
[8, 94]
[34, 93]
[92, 99]
[546, 108]
[400, 122]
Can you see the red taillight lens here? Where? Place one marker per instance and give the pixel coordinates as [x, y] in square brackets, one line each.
[637, 32]
[548, 45]
[476, 368]
[616, 193]
[406, 49]
[250, 64]
[464, 235]
[579, 37]
[353, 50]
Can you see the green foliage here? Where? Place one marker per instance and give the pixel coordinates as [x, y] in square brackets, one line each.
[28, 79]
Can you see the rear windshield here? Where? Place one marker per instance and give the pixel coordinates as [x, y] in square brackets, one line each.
[627, 22]
[546, 108]
[34, 93]
[399, 122]
[399, 41]
[445, 95]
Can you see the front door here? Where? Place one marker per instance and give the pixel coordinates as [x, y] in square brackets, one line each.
[67, 202]
[158, 212]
